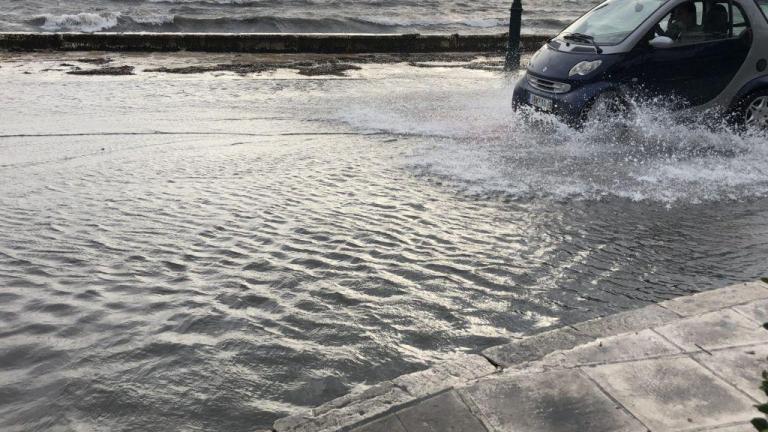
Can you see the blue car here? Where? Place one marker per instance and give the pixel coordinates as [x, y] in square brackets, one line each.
[700, 54]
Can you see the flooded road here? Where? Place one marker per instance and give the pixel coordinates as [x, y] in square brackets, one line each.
[214, 251]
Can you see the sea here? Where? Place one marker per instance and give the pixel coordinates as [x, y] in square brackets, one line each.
[285, 16]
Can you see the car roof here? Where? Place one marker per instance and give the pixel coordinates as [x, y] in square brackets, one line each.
[757, 19]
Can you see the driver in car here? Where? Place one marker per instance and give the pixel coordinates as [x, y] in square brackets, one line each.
[682, 22]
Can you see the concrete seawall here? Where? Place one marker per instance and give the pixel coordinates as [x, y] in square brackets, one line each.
[262, 42]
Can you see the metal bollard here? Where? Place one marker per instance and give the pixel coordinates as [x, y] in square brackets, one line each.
[512, 61]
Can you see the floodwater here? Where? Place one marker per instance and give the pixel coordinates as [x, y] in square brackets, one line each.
[214, 251]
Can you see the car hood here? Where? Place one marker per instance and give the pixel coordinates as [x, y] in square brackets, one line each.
[553, 64]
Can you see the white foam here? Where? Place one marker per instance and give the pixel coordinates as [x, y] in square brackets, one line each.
[438, 21]
[153, 19]
[83, 22]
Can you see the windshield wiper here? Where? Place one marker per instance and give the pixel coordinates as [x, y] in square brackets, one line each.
[581, 37]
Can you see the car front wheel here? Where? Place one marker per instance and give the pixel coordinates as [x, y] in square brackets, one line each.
[608, 106]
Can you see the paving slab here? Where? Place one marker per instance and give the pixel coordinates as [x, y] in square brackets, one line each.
[673, 394]
[558, 401]
[629, 321]
[348, 411]
[387, 424]
[369, 393]
[721, 329]
[444, 376]
[445, 412]
[536, 347]
[757, 311]
[632, 346]
[742, 367]
[709, 301]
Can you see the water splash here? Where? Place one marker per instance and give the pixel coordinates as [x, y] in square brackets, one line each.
[474, 141]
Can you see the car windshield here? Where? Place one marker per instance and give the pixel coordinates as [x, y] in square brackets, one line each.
[764, 6]
[611, 22]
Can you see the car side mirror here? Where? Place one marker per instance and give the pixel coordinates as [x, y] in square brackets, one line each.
[661, 42]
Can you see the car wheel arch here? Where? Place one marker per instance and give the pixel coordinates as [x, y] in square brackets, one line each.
[756, 85]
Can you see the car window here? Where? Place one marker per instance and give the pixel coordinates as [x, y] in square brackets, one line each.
[703, 21]
[740, 22]
[764, 7]
[611, 22]
[684, 24]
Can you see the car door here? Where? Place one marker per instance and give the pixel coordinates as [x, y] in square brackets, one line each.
[703, 60]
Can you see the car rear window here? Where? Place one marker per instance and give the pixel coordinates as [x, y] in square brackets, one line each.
[764, 6]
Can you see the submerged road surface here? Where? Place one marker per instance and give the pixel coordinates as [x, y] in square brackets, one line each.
[213, 251]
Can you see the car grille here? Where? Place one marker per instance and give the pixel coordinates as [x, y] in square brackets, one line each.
[547, 85]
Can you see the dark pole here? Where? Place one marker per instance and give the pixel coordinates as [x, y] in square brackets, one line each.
[513, 46]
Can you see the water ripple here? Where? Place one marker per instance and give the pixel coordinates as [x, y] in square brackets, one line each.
[181, 282]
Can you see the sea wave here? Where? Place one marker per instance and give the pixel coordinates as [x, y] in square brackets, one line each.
[86, 22]
[91, 22]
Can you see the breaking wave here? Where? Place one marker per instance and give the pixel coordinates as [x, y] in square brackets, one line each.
[85, 22]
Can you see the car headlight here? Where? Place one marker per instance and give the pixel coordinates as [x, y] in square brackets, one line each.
[585, 68]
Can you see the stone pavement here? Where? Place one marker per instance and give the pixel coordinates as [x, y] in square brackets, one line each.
[688, 364]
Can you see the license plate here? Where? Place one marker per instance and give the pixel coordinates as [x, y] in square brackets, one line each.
[539, 102]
